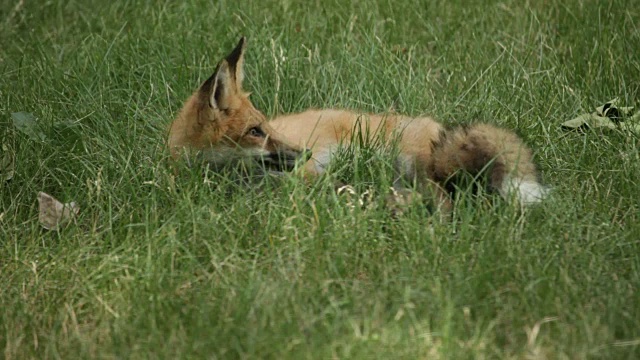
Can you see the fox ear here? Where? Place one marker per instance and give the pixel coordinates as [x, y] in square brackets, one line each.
[236, 62]
[218, 88]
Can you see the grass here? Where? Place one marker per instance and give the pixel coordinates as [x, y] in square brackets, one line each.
[159, 266]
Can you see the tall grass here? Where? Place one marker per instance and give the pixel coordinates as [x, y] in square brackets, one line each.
[165, 266]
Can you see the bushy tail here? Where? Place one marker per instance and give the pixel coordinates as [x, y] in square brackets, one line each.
[500, 153]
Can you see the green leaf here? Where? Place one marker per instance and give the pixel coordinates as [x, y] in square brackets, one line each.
[27, 124]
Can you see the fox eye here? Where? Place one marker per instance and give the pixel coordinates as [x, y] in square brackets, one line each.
[256, 131]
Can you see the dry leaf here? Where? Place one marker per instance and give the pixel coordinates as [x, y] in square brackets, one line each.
[611, 110]
[350, 194]
[589, 121]
[607, 116]
[399, 200]
[53, 213]
[355, 200]
[7, 164]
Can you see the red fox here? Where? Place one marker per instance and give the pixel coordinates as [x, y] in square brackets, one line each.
[222, 126]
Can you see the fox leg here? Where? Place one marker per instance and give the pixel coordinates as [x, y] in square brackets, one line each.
[413, 185]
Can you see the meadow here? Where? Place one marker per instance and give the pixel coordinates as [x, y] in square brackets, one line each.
[158, 265]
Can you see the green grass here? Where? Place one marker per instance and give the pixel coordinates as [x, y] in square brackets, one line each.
[159, 266]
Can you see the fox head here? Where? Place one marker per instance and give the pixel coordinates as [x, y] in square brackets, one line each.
[222, 126]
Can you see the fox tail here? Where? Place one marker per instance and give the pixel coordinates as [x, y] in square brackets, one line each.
[496, 152]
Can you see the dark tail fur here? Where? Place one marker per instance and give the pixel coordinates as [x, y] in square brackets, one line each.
[499, 153]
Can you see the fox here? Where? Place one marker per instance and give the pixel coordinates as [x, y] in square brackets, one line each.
[219, 124]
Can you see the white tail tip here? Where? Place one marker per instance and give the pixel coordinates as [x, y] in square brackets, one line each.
[527, 192]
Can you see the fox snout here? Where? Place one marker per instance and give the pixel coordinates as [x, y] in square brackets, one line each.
[285, 160]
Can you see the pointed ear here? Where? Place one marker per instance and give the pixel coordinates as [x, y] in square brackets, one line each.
[236, 62]
[218, 89]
